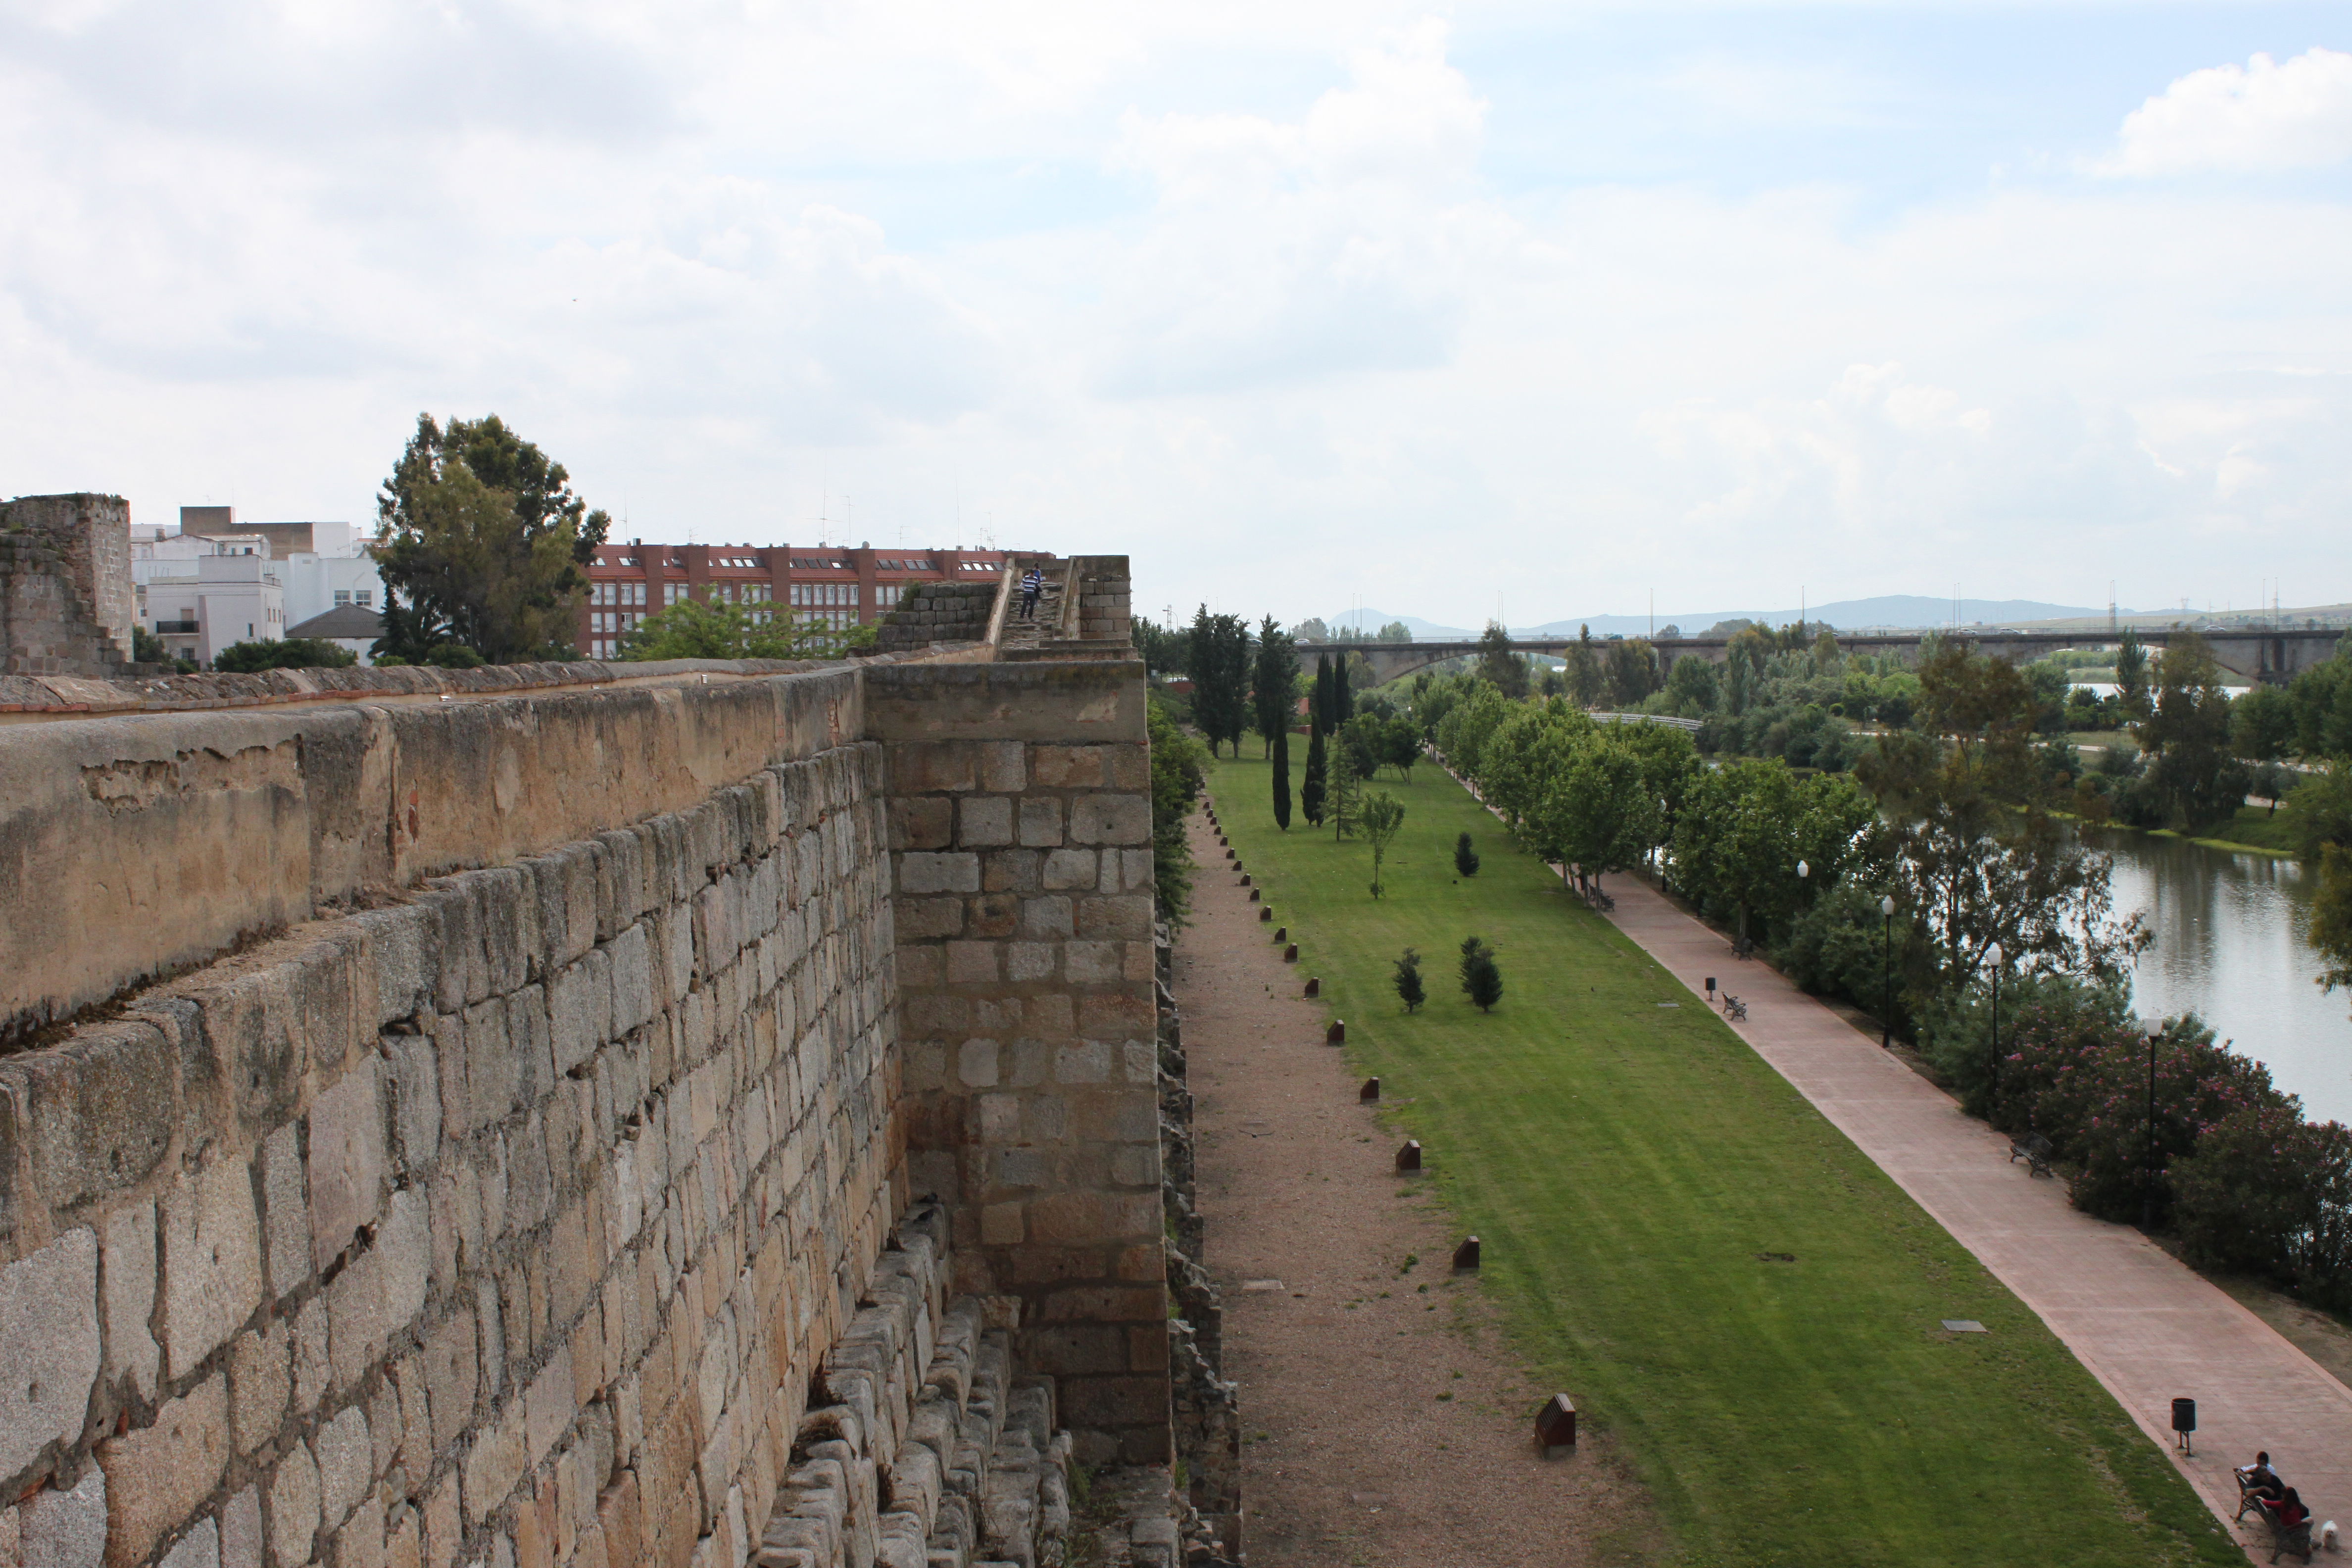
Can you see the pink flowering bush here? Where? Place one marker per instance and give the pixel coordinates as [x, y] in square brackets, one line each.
[2268, 1194]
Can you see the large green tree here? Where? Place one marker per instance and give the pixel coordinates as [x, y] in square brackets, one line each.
[1498, 663]
[1220, 653]
[1273, 681]
[484, 545]
[2187, 737]
[692, 630]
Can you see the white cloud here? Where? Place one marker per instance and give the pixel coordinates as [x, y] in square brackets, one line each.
[2262, 118]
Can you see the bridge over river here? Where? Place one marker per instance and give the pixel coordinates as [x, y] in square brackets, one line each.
[2261, 656]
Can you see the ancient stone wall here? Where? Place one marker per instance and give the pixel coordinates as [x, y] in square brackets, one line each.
[1099, 585]
[1021, 831]
[506, 1223]
[91, 534]
[939, 611]
[45, 625]
[495, 1110]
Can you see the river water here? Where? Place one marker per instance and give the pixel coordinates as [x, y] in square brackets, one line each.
[2231, 946]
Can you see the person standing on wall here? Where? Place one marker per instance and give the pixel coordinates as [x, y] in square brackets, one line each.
[1033, 582]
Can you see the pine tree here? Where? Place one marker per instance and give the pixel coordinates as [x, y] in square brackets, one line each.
[1282, 779]
[1343, 794]
[1409, 988]
[1466, 856]
[1482, 982]
[1310, 792]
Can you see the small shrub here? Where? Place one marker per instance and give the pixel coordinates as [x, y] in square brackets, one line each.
[1482, 980]
[283, 653]
[1466, 856]
[1409, 988]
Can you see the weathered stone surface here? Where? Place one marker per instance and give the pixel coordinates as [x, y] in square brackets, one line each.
[129, 1278]
[200, 1547]
[241, 1540]
[48, 1308]
[66, 1529]
[293, 1508]
[349, 1164]
[211, 1263]
[156, 1475]
[261, 1381]
[346, 1459]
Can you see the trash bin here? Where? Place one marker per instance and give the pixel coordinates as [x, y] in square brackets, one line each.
[2184, 1422]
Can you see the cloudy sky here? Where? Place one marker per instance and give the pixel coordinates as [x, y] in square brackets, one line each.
[1299, 304]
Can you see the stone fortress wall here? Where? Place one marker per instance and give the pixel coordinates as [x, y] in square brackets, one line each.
[676, 1121]
[67, 605]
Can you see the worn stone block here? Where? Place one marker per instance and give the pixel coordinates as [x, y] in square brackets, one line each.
[286, 1202]
[452, 1376]
[64, 1529]
[984, 821]
[346, 1460]
[158, 1476]
[918, 918]
[350, 1164]
[921, 822]
[1070, 870]
[379, 1291]
[1040, 822]
[413, 1077]
[1067, 767]
[1028, 962]
[402, 948]
[130, 1297]
[579, 1009]
[1093, 963]
[211, 1263]
[1047, 916]
[293, 1508]
[101, 1110]
[921, 872]
[200, 1547]
[241, 1540]
[634, 998]
[921, 968]
[261, 1381]
[972, 963]
[1110, 819]
[1126, 919]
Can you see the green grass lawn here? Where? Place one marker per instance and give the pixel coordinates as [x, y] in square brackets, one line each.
[2253, 827]
[1625, 1163]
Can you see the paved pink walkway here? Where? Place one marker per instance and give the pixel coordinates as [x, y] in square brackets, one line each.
[2148, 1327]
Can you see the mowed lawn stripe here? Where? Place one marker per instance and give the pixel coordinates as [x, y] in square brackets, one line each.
[1625, 1164]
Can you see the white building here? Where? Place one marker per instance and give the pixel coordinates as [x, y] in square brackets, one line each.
[297, 572]
[200, 595]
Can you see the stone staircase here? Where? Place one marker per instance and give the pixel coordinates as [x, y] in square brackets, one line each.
[1046, 625]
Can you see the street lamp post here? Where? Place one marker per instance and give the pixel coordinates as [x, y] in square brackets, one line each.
[1993, 956]
[1886, 975]
[2154, 1027]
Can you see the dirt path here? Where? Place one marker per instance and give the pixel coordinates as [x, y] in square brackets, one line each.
[1383, 1425]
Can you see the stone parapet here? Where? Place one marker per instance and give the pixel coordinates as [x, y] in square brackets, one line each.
[507, 1223]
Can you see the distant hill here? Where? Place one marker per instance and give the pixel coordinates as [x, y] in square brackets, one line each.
[1898, 612]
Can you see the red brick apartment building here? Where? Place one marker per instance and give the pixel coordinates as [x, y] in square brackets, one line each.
[838, 586]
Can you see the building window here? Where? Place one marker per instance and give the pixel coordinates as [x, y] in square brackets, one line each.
[342, 596]
[673, 592]
[363, 597]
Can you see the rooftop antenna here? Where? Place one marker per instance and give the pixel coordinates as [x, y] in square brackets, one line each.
[2111, 607]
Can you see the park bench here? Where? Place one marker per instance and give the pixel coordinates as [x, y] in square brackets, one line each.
[2034, 1150]
[1734, 1009]
[2294, 1538]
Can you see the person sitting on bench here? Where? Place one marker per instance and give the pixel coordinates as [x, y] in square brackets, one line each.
[2259, 1480]
[2288, 1510]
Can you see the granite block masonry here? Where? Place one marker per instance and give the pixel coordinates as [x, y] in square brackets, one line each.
[485, 1131]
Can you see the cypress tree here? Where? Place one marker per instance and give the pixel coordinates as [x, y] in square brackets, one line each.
[1482, 980]
[1409, 988]
[1343, 701]
[1318, 704]
[1310, 792]
[1282, 778]
[1465, 858]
